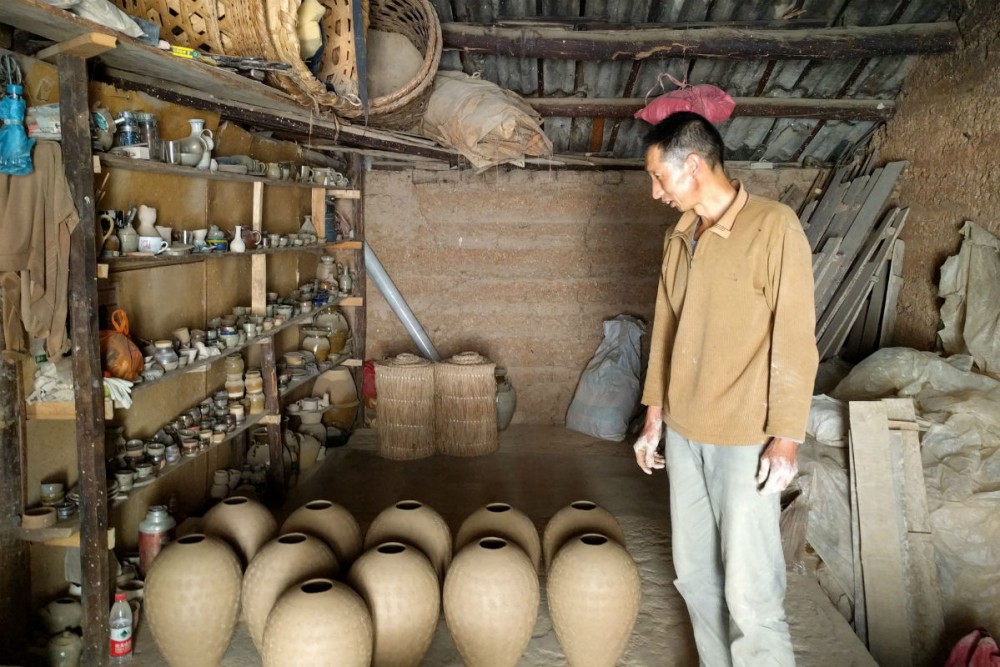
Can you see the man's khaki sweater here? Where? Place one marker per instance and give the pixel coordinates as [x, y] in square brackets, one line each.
[733, 353]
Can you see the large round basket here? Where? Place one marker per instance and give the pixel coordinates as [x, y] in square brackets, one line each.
[465, 405]
[405, 426]
[190, 23]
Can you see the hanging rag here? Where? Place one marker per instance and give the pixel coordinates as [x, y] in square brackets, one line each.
[15, 146]
[704, 99]
[37, 216]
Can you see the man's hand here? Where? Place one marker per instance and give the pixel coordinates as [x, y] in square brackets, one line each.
[645, 446]
[777, 466]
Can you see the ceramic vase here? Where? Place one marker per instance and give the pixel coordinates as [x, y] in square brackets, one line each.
[331, 523]
[401, 589]
[506, 404]
[280, 564]
[501, 520]
[491, 602]
[61, 614]
[147, 221]
[238, 244]
[320, 623]
[192, 600]
[577, 518]
[63, 650]
[593, 594]
[244, 523]
[412, 522]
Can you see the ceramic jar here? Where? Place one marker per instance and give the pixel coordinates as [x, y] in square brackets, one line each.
[593, 594]
[506, 399]
[317, 341]
[256, 404]
[234, 364]
[128, 239]
[61, 614]
[491, 600]
[577, 518]
[412, 522]
[253, 382]
[234, 385]
[192, 600]
[326, 272]
[281, 563]
[501, 520]
[331, 523]
[318, 622]
[245, 524]
[165, 356]
[401, 589]
[64, 650]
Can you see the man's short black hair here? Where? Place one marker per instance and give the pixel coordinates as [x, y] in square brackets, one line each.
[685, 132]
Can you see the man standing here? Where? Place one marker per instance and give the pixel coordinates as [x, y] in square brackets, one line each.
[731, 369]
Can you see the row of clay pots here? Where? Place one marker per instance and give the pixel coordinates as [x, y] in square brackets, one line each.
[298, 615]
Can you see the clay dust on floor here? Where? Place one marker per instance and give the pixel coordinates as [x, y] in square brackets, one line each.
[540, 469]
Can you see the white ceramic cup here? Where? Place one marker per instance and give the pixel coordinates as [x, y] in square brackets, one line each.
[152, 244]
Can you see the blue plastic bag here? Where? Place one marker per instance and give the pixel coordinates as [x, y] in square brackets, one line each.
[15, 146]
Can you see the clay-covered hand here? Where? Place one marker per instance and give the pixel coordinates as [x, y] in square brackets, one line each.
[777, 467]
[645, 447]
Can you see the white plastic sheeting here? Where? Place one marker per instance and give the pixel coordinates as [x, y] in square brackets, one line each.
[961, 456]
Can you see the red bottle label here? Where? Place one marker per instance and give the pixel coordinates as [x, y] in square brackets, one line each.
[121, 647]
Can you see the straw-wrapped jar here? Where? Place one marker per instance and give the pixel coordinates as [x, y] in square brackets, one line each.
[405, 425]
[465, 405]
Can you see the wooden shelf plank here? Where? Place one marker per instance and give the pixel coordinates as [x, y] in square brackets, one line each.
[345, 245]
[51, 410]
[135, 262]
[152, 167]
[85, 46]
[352, 302]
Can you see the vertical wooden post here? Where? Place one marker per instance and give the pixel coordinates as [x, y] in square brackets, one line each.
[356, 172]
[258, 263]
[272, 406]
[75, 118]
[318, 211]
[15, 570]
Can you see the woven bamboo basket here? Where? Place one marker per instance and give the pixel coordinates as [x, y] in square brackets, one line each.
[405, 426]
[243, 29]
[465, 405]
[340, 68]
[191, 23]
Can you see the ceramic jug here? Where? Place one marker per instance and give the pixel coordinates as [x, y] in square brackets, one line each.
[128, 239]
[251, 237]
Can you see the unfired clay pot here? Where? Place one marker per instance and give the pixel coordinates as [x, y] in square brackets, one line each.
[320, 623]
[412, 522]
[501, 520]
[244, 523]
[402, 592]
[593, 593]
[577, 518]
[491, 602]
[280, 564]
[330, 522]
[192, 600]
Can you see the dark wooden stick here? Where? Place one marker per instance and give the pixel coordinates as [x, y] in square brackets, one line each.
[272, 406]
[356, 173]
[774, 107]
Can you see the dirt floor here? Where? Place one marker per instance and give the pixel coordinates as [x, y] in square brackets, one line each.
[539, 470]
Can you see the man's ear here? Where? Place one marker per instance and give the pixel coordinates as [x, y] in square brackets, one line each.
[693, 163]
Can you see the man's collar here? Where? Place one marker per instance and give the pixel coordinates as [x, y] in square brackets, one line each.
[725, 224]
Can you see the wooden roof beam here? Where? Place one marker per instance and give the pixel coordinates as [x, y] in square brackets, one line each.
[616, 45]
[772, 107]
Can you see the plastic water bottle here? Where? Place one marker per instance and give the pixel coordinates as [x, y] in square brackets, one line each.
[121, 631]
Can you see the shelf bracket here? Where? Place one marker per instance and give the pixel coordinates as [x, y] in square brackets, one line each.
[85, 46]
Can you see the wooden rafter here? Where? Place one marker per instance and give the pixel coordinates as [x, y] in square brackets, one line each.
[774, 107]
[616, 45]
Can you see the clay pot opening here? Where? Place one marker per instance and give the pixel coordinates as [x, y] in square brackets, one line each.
[391, 548]
[292, 538]
[318, 505]
[408, 505]
[38, 511]
[492, 543]
[583, 505]
[316, 586]
[192, 539]
[498, 507]
[66, 601]
[236, 500]
[594, 540]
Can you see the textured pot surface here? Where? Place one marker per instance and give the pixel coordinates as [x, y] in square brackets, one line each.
[578, 518]
[593, 593]
[279, 565]
[192, 600]
[331, 523]
[501, 520]
[318, 623]
[402, 592]
[491, 600]
[412, 522]
[244, 523]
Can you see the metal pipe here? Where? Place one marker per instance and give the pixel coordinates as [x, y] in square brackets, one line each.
[385, 285]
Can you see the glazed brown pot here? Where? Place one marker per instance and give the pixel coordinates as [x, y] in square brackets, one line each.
[491, 600]
[412, 522]
[280, 564]
[578, 518]
[593, 593]
[244, 523]
[501, 520]
[192, 600]
[402, 592]
[318, 623]
[330, 522]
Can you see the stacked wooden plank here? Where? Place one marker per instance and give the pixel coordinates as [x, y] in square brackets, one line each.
[852, 242]
[897, 605]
